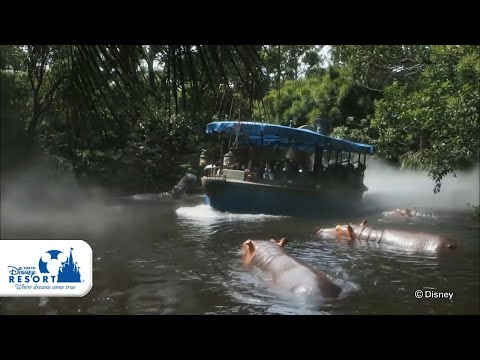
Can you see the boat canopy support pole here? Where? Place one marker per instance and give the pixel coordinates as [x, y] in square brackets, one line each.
[221, 159]
[317, 165]
[261, 141]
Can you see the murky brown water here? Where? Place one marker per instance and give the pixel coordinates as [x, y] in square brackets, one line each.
[183, 258]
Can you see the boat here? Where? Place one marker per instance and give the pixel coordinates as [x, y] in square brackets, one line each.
[265, 168]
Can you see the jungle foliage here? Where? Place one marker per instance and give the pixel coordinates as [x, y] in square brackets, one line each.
[132, 118]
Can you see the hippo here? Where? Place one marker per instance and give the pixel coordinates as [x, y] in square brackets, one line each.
[177, 192]
[412, 240]
[287, 274]
[407, 214]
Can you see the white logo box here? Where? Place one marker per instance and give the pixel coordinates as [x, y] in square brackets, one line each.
[45, 268]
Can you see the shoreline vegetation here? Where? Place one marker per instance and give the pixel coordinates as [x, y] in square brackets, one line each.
[132, 119]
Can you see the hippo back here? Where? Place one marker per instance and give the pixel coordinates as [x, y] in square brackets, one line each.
[417, 240]
[265, 253]
[292, 274]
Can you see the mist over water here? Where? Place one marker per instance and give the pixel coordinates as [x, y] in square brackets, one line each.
[37, 198]
[183, 257]
[392, 188]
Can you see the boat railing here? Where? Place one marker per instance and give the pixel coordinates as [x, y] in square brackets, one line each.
[327, 169]
[234, 174]
[333, 176]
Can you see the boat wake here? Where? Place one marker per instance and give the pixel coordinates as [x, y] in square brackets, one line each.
[207, 212]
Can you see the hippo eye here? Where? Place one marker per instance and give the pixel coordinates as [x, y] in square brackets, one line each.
[337, 228]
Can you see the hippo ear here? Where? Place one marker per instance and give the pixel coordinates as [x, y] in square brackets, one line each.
[351, 232]
[249, 243]
[364, 223]
[282, 242]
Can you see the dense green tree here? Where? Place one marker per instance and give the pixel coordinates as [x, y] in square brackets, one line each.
[376, 66]
[94, 105]
[330, 95]
[428, 115]
[108, 110]
[433, 122]
[290, 62]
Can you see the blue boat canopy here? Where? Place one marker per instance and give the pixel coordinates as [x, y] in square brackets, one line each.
[256, 133]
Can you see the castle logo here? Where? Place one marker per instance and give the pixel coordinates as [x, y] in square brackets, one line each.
[51, 268]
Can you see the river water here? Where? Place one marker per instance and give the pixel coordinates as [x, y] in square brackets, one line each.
[183, 258]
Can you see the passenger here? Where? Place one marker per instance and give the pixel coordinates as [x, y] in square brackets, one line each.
[229, 160]
[209, 170]
[203, 158]
[350, 174]
[261, 169]
[361, 168]
[236, 165]
[250, 173]
[278, 173]
[361, 174]
[268, 174]
[301, 175]
[294, 168]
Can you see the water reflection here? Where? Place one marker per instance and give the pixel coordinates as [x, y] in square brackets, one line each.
[185, 259]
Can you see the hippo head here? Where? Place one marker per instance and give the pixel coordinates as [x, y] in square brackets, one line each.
[191, 178]
[184, 185]
[250, 246]
[340, 231]
[188, 180]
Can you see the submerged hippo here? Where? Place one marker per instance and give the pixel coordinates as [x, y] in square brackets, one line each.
[287, 273]
[407, 214]
[177, 192]
[413, 240]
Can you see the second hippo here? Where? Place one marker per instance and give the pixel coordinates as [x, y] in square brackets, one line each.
[410, 240]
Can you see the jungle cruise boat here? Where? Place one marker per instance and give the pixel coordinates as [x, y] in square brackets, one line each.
[263, 168]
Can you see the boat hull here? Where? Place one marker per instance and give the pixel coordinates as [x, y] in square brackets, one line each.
[253, 198]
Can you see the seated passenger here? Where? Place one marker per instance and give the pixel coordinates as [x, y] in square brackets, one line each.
[250, 173]
[229, 160]
[268, 174]
[350, 174]
[209, 170]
